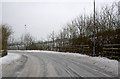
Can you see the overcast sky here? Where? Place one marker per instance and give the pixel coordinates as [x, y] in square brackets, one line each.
[44, 16]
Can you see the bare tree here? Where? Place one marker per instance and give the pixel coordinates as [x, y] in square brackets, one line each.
[6, 32]
[27, 40]
[52, 36]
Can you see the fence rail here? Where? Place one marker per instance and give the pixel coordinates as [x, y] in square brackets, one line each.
[74, 48]
[112, 51]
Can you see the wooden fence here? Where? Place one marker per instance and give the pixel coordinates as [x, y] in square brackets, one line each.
[74, 48]
[112, 51]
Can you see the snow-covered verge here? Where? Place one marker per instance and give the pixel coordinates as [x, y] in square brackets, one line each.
[105, 63]
[9, 58]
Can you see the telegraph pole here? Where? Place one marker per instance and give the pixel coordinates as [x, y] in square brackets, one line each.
[94, 31]
[119, 14]
[25, 38]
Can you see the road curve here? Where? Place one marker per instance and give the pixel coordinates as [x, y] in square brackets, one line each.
[40, 64]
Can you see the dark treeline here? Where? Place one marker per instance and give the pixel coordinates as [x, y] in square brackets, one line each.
[80, 31]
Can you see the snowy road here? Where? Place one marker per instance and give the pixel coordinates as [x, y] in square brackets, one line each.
[40, 64]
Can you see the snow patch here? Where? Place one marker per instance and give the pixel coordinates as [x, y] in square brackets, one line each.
[105, 63]
[6, 60]
[9, 58]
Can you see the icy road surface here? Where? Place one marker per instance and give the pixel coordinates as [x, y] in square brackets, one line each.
[43, 64]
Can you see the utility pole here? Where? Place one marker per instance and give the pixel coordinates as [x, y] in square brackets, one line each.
[25, 38]
[84, 17]
[94, 31]
[119, 14]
